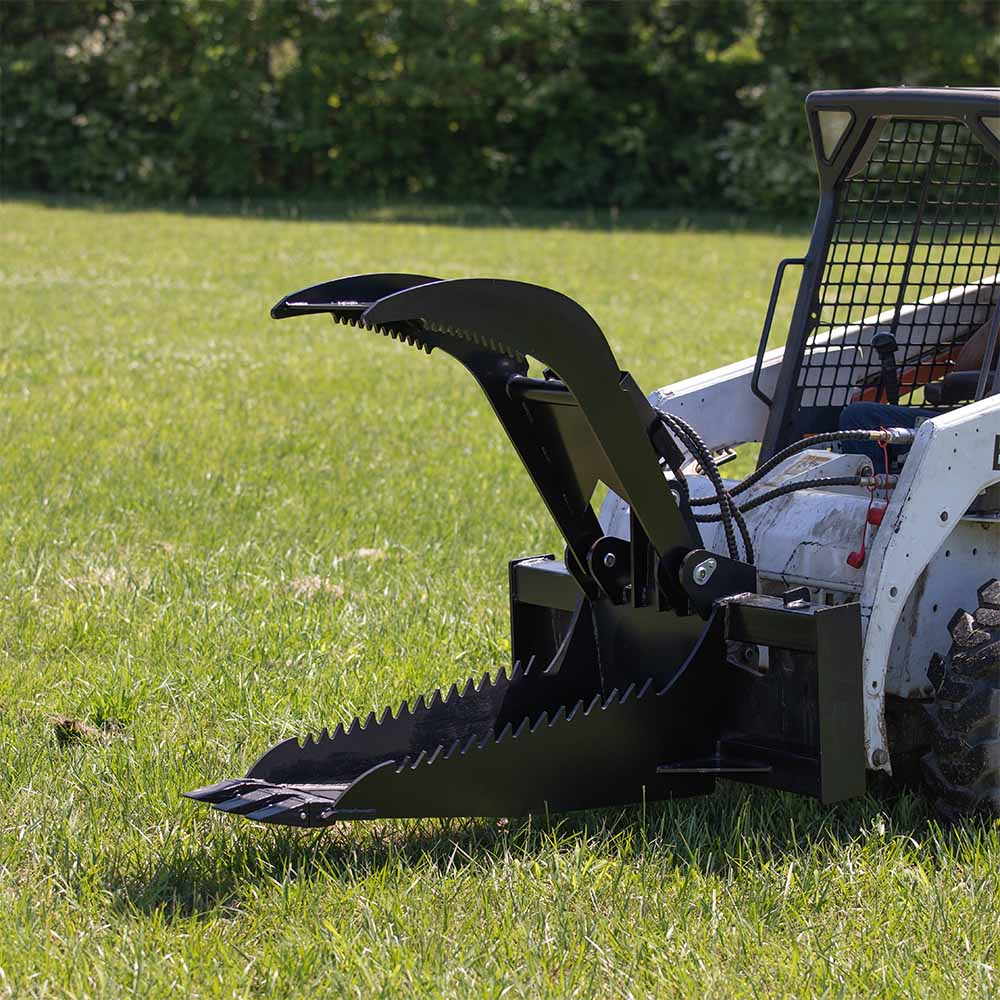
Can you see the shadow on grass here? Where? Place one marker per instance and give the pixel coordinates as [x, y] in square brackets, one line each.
[721, 835]
[664, 220]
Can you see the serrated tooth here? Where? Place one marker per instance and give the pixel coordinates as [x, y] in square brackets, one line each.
[576, 709]
[452, 693]
[505, 732]
[435, 698]
[523, 727]
[386, 715]
[353, 726]
[434, 754]
[542, 720]
[418, 760]
[560, 716]
[369, 721]
[419, 705]
[339, 731]
[469, 688]
[629, 691]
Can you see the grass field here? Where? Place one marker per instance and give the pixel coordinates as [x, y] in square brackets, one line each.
[217, 531]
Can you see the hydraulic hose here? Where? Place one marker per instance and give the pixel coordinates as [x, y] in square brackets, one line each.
[887, 436]
[729, 512]
[804, 484]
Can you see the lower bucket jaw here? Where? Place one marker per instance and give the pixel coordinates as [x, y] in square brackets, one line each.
[601, 751]
[300, 782]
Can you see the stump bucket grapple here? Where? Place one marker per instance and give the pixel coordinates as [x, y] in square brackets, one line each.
[680, 638]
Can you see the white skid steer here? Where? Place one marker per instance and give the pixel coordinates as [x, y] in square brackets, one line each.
[836, 612]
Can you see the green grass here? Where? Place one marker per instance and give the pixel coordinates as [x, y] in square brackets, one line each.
[175, 465]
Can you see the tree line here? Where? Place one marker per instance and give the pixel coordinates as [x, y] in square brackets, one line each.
[535, 102]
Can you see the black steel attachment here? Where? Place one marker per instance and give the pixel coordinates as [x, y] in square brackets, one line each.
[624, 684]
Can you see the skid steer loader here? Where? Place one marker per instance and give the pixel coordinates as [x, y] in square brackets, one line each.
[826, 616]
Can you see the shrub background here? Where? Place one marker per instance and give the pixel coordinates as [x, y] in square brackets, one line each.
[554, 102]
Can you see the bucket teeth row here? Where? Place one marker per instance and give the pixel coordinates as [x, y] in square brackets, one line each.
[405, 336]
[515, 771]
[600, 751]
[474, 337]
[526, 727]
[409, 333]
[485, 686]
[348, 751]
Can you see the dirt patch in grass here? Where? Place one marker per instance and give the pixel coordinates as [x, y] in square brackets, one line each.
[307, 587]
[69, 731]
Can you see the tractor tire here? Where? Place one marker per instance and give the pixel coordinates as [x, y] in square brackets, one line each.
[962, 768]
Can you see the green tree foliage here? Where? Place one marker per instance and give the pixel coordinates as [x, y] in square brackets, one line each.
[533, 101]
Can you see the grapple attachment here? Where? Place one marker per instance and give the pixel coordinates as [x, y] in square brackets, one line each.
[636, 672]
[597, 753]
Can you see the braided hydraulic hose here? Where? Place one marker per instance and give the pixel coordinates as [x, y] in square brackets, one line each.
[705, 455]
[697, 447]
[729, 512]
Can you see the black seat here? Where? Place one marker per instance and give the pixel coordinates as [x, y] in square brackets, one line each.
[958, 387]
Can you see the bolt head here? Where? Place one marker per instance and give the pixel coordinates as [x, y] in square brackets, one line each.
[609, 560]
[703, 571]
[879, 758]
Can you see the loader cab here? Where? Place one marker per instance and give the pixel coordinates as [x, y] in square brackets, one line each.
[904, 260]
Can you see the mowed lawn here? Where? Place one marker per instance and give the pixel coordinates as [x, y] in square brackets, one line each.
[217, 531]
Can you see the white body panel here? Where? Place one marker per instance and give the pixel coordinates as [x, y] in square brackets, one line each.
[953, 459]
[925, 561]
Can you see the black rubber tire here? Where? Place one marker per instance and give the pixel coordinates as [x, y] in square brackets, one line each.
[962, 769]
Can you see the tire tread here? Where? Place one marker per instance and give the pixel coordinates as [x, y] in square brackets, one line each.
[962, 769]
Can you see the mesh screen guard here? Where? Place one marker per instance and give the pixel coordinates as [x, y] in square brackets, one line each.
[913, 251]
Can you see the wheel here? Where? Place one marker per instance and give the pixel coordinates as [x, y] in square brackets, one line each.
[962, 768]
